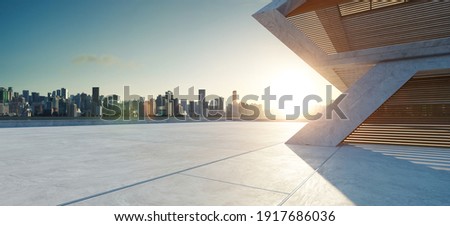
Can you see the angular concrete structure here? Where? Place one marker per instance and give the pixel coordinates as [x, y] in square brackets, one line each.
[391, 58]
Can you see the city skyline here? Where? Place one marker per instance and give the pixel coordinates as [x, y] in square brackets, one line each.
[193, 104]
[61, 103]
[147, 45]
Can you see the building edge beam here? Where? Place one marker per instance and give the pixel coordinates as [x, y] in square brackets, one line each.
[428, 48]
[296, 41]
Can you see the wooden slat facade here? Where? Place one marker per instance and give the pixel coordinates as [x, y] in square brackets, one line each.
[371, 25]
[355, 7]
[310, 24]
[405, 23]
[417, 114]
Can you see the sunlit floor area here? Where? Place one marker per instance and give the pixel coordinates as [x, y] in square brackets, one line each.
[211, 163]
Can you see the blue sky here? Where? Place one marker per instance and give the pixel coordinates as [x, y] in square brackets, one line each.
[152, 46]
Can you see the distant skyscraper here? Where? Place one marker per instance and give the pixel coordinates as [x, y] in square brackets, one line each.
[62, 108]
[216, 104]
[192, 112]
[202, 104]
[96, 95]
[72, 110]
[176, 106]
[35, 97]
[86, 105]
[10, 94]
[201, 95]
[161, 109]
[160, 101]
[212, 105]
[3, 95]
[169, 96]
[83, 102]
[150, 107]
[220, 103]
[96, 101]
[169, 104]
[58, 93]
[26, 95]
[235, 95]
[115, 98]
[235, 106]
[55, 106]
[64, 93]
[141, 109]
[77, 100]
[184, 105]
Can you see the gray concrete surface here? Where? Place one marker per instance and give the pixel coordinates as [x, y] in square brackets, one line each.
[217, 163]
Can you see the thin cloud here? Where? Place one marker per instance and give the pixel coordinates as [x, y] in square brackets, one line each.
[105, 60]
[255, 2]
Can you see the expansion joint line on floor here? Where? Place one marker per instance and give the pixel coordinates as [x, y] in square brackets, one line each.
[163, 176]
[227, 182]
[307, 179]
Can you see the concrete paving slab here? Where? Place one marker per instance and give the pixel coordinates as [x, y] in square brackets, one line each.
[274, 168]
[181, 190]
[317, 191]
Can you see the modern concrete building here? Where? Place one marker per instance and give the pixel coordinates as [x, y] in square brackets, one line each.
[391, 58]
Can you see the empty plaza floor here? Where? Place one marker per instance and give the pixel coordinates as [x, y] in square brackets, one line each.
[210, 163]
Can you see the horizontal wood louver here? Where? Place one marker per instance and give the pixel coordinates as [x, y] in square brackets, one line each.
[309, 23]
[354, 7]
[368, 24]
[417, 114]
[405, 23]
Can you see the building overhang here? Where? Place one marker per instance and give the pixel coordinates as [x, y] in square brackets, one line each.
[284, 19]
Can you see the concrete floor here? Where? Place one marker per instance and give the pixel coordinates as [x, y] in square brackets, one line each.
[216, 163]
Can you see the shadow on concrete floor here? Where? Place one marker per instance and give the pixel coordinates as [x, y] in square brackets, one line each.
[380, 174]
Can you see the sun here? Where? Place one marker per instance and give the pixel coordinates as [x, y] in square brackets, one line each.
[297, 82]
